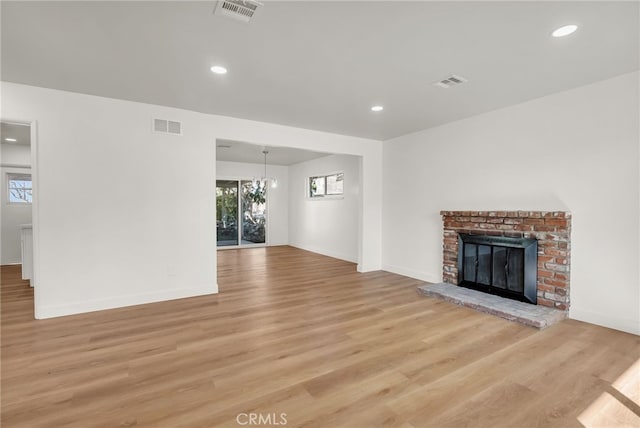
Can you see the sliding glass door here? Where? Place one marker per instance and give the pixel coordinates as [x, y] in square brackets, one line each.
[227, 212]
[254, 204]
[245, 226]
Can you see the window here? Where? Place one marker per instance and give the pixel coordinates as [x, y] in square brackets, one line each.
[20, 189]
[326, 185]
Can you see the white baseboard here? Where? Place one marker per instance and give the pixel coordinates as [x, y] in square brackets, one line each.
[324, 252]
[606, 320]
[53, 311]
[277, 244]
[423, 276]
[367, 268]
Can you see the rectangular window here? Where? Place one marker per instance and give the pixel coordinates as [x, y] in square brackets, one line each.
[335, 184]
[326, 185]
[20, 189]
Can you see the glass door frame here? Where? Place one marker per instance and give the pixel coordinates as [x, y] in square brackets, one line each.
[240, 220]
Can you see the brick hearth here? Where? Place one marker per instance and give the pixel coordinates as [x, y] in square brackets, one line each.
[551, 229]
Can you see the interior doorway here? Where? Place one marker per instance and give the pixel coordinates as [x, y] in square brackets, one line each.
[241, 213]
[17, 197]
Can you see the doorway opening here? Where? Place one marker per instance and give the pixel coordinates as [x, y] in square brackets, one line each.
[241, 213]
[17, 197]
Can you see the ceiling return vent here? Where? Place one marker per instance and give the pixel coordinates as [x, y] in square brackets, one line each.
[450, 81]
[164, 126]
[242, 10]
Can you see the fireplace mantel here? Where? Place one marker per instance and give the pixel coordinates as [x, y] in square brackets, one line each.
[552, 230]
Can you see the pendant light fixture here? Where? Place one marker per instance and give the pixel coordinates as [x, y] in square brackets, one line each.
[262, 182]
[274, 182]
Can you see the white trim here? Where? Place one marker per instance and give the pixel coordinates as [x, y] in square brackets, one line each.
[326, 198]
[14, 165]
[123, 301]
[422, 276]
[324, 252]
[606, 320]
[238, 247]
[35, 210]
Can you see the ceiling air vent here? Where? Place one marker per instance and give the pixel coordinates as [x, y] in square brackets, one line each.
[242, 10]
[450, 81]
[164, 126]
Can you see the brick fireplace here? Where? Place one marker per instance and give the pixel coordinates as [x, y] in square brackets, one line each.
[552, 230]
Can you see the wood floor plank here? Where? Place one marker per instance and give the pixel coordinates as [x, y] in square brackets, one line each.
[297, 333]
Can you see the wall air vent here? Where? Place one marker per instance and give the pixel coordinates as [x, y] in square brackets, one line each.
[242, 10]
[164, 126]
[450, 81]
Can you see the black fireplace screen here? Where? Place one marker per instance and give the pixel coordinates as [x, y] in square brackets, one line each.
[499, 265]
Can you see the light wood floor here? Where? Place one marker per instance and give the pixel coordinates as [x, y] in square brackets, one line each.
[297, 333]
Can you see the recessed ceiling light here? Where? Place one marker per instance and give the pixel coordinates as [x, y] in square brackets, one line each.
[11, 140]
[218, 69]
[377, 108]
[564, 31]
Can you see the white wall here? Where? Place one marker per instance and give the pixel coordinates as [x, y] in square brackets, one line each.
[326, 226]
[15, 154]
[13, 215]
[113, 223]
[576, 151]
[277, 198]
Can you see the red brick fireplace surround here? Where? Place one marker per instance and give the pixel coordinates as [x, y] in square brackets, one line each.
[551, 229]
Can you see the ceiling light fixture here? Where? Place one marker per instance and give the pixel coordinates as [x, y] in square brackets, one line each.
[377, 108]
[261, 183]
[565, 31]
[10, 140]
[218, 69]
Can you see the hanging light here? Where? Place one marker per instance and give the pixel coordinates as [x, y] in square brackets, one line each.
[265, 178]
[260, 184]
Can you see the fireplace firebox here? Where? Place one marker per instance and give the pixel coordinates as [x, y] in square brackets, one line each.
[499, 265]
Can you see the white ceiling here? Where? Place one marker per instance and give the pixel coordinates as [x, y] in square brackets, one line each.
[236, 151]
[21, 133]
[320, 65]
